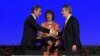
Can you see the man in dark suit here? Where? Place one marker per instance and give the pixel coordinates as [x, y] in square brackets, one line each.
[30, 30]
[70, 33]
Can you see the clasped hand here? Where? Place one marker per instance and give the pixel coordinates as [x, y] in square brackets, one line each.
[53, 33]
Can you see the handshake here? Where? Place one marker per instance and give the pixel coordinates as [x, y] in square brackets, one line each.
[53, 33]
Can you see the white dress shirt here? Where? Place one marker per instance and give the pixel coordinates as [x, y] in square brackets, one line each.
[34, 16]
[67, 19]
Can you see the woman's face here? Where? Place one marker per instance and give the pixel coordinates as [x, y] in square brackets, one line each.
[49, 17]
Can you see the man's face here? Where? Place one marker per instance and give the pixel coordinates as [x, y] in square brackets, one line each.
[37, 12]
[65, 12]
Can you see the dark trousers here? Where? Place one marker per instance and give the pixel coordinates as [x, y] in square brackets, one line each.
[29, 51]
[78, 52]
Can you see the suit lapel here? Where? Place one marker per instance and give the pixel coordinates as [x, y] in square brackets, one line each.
[65, 25]
[32, 18]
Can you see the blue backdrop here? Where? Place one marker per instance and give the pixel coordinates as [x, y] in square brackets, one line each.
[14, 12]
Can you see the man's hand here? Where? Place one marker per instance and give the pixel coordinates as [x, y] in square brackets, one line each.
[38, 37]
[53, 33]
[74, 48]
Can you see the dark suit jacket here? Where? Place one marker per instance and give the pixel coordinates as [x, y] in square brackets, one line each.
[30, 32]
[70, 34]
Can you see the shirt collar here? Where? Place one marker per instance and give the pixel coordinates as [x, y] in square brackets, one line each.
[69, 17]
[33, 16]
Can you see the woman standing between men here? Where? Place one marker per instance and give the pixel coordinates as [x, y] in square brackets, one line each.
[50, 43]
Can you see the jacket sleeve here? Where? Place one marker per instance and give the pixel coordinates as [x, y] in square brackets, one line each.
[76, 32]
[38, 27]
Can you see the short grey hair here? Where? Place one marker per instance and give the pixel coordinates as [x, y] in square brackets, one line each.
[35, 8]
[67, 7]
